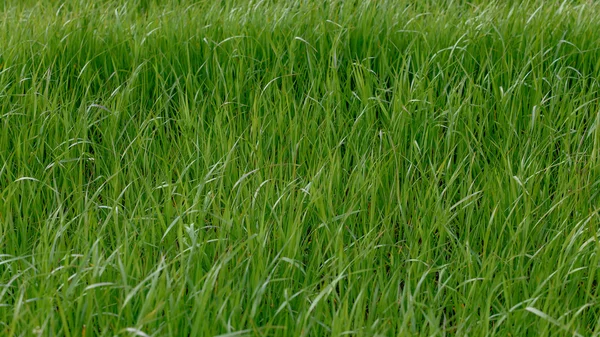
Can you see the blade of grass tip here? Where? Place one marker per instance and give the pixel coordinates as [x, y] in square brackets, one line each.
[98, 285]
[136, 332]
[26, 178]
[550, 319]
[94, 105]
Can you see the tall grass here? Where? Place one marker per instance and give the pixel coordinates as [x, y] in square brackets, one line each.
[299, 168]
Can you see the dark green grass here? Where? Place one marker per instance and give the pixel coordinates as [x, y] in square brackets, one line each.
[280, 168]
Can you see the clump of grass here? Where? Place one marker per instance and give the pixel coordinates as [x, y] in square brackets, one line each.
[299, 168]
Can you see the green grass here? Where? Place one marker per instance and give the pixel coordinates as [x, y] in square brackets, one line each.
[299, 168]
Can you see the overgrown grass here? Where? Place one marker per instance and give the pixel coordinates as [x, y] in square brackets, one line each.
[299, 168]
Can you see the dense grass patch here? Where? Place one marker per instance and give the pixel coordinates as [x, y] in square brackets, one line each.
[299, 168]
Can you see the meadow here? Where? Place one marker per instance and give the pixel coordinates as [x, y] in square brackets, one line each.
[299, 168]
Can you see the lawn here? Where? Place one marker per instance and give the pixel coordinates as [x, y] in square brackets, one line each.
[299, 168]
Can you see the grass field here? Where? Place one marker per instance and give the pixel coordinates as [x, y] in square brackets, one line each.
[299, 168]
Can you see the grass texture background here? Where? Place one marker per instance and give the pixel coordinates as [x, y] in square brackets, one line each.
[299, 168]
